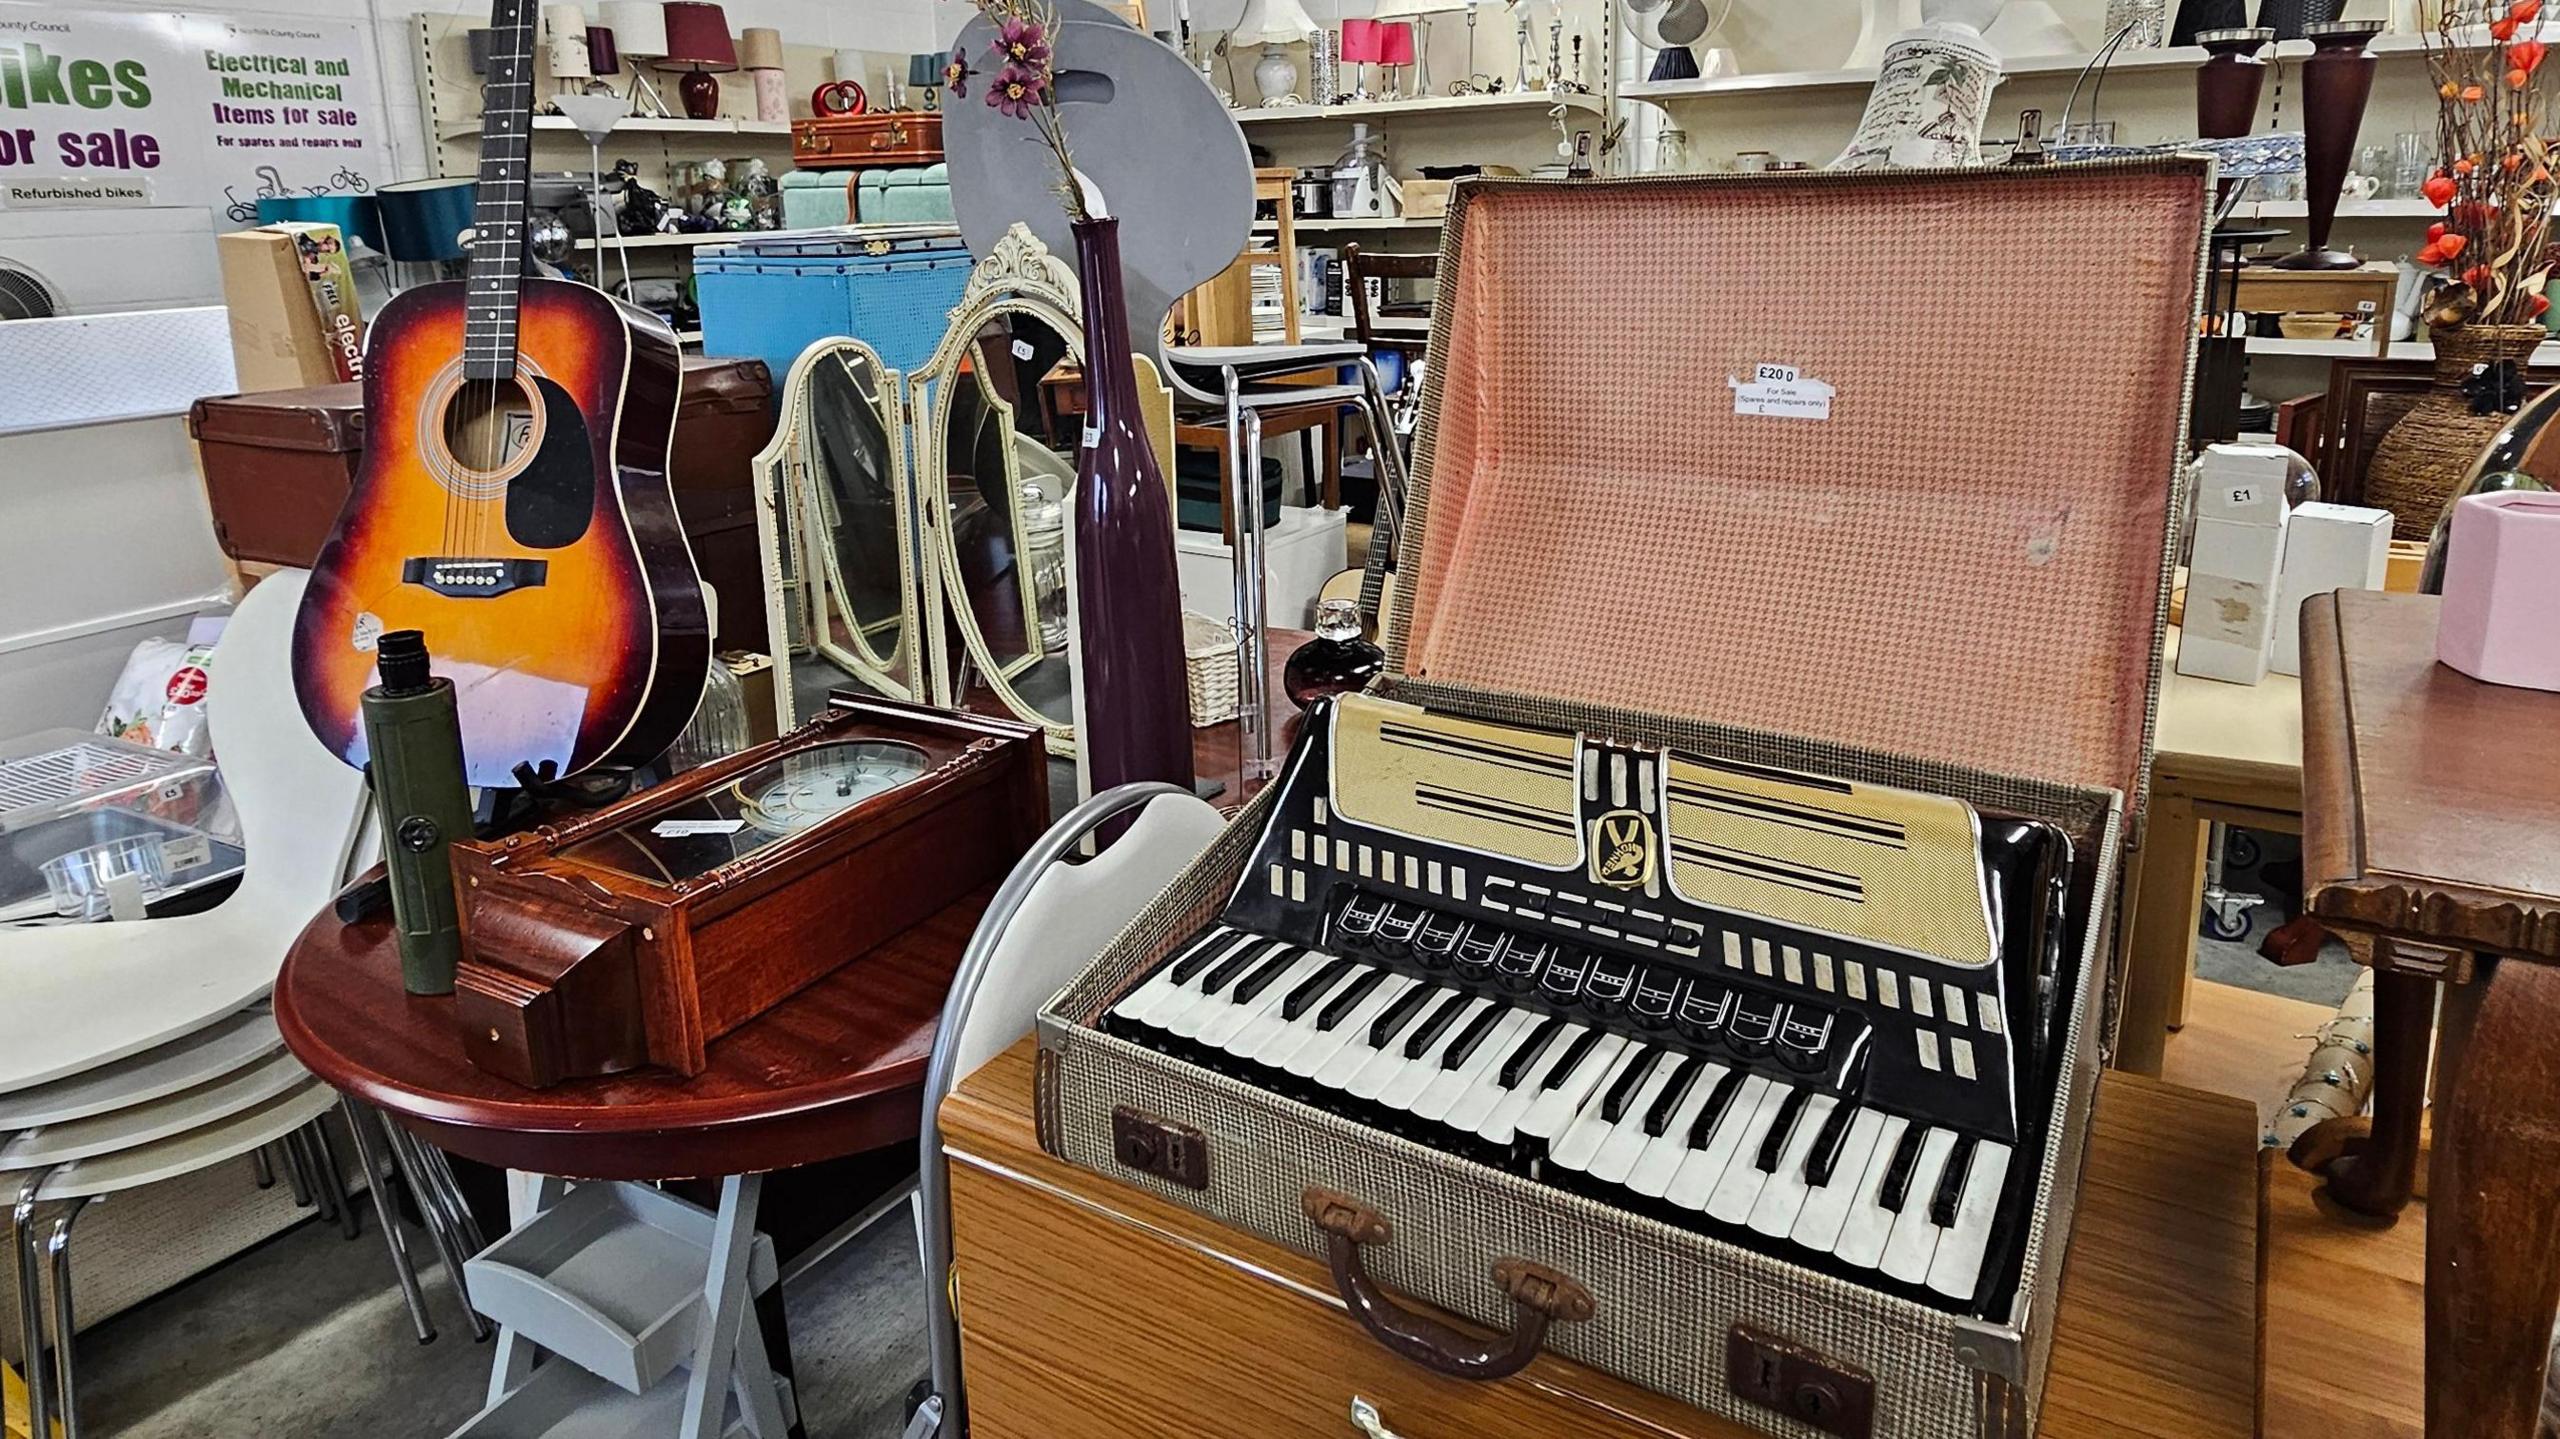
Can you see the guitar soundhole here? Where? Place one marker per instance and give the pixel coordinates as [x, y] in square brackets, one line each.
[490, 425]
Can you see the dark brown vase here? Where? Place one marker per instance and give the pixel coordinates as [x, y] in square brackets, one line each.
[2337, 80]
[1134, 721]
[2435, 447]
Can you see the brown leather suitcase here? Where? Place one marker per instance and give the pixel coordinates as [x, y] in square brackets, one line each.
[867, 142]
[278, 465]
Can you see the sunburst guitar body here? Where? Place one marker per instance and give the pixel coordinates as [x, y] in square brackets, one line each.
[525, 524]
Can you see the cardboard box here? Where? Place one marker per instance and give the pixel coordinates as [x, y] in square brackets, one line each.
[2231, 601]
[1426, 199]
[2326, 547]
[754, 673]
[279, 339]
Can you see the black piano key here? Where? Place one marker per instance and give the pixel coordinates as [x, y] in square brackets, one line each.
[1340, 1006]
[1430, 1029]
[1667, 1103]
[1897, 1175]
[1774, 1147]
[1232, 966]
[1621, 1095]
[1250, 988]
[1942, 1205]
[1572, 1057]
[1526, 1052]
[1314, 988]
[1704, 1126]
[1472, 1036]
[1825, 1154]
[1202, 954]
[1399, 1014]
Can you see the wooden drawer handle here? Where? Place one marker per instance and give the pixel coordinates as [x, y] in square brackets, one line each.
[1539, 1295]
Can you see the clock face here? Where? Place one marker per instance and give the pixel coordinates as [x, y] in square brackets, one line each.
[825, 781]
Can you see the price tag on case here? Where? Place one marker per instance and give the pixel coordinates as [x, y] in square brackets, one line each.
[2243, 495]
[687, 828]
[1781, 391]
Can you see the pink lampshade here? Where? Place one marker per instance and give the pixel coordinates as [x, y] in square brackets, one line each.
[698, 37]
[1395, 42]
[1361, 43]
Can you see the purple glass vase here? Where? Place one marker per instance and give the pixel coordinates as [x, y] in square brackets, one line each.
[1135, 720]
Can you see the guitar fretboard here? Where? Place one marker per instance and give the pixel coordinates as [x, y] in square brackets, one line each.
[497, 247]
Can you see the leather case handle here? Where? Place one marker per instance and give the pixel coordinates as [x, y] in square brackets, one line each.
[1539, 1296]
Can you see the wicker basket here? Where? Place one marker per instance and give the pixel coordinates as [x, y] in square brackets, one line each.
[2427, 457]
[1209, 662]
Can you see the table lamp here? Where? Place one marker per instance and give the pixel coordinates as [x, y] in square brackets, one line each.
[924, 72]
[1419, 12]
[1362, 47]
[1395, 49]
[760, 55]
[639, 30]
[698, 40]
[564, 44]
[602, 60]
[1275, 25]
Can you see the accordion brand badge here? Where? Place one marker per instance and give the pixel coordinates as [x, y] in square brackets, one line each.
[1622, 850]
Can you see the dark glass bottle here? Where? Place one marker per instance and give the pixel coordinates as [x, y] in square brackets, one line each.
[1337, 659]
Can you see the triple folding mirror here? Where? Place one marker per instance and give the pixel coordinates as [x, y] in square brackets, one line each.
[917, 527]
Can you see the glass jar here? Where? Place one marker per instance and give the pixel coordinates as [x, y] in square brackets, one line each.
[1336, 660]
[1044, 542]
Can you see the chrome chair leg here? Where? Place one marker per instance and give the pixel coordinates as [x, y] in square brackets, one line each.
[307, 1155]
[449, 1193]
[64, 1330]
[441, 1227]
[294, 1171]
[263, 1167]
[333, 1180]
[22, 1218]
[359, 1122]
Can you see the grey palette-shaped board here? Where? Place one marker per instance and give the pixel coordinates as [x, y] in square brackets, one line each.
[1167, 156]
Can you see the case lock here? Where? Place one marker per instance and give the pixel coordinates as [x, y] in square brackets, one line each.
[1160, 1147]
[1799, 1383]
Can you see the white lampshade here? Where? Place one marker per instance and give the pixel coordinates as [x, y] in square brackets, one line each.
[849, 65]
[564, 29]
[639, 28]
[1273, 22]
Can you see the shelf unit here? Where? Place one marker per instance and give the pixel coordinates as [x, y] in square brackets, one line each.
[1356, 222]
[2548, 353]
[1421, 107]
[726, 127]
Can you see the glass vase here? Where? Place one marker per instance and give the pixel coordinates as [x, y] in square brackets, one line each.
[1132, 709]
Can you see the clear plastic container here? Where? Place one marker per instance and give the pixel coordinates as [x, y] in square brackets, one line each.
[76, 808]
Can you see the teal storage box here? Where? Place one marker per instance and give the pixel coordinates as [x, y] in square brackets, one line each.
[917, 195]
[891, 287]
[815, 199]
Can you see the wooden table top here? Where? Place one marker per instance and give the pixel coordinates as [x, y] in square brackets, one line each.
[2431, 811]
[2156, 1334]
[836, 1069]
[2238, 743]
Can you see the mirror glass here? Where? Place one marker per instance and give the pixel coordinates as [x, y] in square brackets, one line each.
[845, 581]
[1011, 412]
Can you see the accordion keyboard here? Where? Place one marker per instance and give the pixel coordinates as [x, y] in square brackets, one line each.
[1811, 1016]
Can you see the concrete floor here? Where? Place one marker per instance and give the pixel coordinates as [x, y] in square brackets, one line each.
[305, 1336]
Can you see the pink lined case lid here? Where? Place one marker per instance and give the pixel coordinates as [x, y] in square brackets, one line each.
[1937, 525]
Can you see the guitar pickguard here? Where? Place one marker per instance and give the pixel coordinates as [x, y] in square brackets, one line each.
[551, 500]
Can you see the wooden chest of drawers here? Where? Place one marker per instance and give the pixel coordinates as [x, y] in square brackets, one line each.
[868, 141]
[1092, 1309]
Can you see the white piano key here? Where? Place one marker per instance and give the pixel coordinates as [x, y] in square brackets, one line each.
[1627, 1141]
[1826, 1208]
[1651, 1176]
[1695, 1183]
[1416, 1076]
[1956, 1269]
[1553, 1113]
[1286, 1035]
[1446, 1088]
[1312, 1055]
[1870, 1224]
[1372, 1078]
[1783, 1193]
[1488, 1092]
[1160, 990]
[1224, 1031]
[1502, 1125]
[1186, 1021]
[1347, 1062]
[1739, 1188]
[1581, 1139]
[1914, 1241]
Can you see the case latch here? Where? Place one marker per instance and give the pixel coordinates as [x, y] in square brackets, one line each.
[1799, 1383]
[1160, 1147]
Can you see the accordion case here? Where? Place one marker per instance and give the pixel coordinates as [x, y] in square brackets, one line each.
[1693, 956]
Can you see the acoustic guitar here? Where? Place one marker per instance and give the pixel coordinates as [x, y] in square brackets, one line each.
[1373, 585]
[513, 502]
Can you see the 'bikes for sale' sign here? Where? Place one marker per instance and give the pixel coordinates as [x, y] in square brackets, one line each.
[115, 107]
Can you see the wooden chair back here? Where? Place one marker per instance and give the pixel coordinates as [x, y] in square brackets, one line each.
[1359, 267]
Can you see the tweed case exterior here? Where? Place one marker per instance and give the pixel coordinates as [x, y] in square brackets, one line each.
[1467, 637]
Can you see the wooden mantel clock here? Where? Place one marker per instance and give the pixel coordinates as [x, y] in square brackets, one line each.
[639, 933]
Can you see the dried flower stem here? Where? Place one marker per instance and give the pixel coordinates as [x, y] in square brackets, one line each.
[2494, 175]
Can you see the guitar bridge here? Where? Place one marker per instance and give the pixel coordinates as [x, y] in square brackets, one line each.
[474, 579]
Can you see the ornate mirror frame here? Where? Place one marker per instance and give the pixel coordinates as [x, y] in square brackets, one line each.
[802, 571]
[1018, 277]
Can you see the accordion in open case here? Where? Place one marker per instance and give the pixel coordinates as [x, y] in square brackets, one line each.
[1692, 956]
